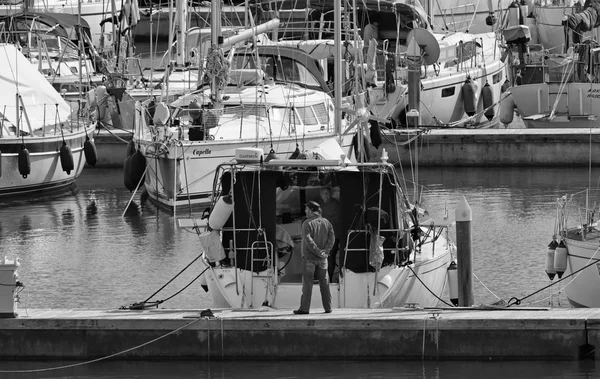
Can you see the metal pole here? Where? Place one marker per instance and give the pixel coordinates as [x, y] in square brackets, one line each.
[337, 78]
[464, 244]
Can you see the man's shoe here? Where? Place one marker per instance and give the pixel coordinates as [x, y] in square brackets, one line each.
[328, 311]
[300, 312]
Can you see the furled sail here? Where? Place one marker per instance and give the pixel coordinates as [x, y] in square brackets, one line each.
[587, 19]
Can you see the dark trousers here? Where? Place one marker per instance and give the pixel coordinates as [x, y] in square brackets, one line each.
[331, 260]
[309, 270]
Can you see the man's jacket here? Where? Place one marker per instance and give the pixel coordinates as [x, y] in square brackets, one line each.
[317, 236]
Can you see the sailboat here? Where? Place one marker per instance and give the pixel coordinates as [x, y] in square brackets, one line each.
[41, 146]
[556, 90]
[274, 99]
[545, 21]
[573, 257]
[92, 11]
[389, 255]
[51, 43]
[460, 73]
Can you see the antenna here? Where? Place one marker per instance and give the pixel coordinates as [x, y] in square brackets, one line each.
[430, 47]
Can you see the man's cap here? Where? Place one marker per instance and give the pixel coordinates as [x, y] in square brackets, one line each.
[314, 206]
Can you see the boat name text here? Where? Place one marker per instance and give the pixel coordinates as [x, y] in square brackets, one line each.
[202, 152]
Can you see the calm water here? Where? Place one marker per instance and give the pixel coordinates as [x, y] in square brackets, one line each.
[78, 250]
[83, 249]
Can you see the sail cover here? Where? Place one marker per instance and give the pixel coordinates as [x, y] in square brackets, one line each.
[42, 104]
[587, 19]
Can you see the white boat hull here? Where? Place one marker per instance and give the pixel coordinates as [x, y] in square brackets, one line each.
[578, 105]
[46, 170]
[185, 175]
[396, 286]
[582, 290]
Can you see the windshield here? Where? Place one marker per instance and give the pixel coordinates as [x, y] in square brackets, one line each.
[281, 69]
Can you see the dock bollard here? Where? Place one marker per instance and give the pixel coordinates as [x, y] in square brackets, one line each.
[9, 281]
[464, 244]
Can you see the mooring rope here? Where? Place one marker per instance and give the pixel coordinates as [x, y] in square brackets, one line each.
[106, 357]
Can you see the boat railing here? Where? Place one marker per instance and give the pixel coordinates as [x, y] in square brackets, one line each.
[580, 209]
[400, 252]
[459, 18]
[48, 119]
[261, 244]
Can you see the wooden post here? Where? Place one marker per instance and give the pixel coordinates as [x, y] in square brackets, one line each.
[465, 261]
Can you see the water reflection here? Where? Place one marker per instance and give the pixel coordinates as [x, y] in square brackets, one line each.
[99, 245]
[293, 369]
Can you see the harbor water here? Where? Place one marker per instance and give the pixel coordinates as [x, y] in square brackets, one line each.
[101, 246]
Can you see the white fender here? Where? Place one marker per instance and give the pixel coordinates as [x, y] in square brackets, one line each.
[161, 114]
[221, 212]
[453, 283]
[97, 102]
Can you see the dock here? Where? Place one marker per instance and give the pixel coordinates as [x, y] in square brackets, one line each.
[111, 146]
[496, 147]
[446, 147]
[470, 333]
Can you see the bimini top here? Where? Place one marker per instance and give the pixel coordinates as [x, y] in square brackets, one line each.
[61, 24]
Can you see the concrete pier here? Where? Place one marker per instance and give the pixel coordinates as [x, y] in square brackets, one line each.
[498, 147]
[403, 333]
[111, 147]
[447, 147]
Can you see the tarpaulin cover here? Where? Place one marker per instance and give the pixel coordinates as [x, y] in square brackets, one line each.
[41, 102]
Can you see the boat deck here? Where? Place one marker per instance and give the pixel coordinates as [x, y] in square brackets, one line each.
[590, 235]
[265, 333]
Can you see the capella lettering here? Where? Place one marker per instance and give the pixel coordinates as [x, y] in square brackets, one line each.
[202, 152]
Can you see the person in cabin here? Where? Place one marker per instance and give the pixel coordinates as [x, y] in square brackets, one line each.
[371, 32]
[332, 212]
[317, 241]
[371, 43]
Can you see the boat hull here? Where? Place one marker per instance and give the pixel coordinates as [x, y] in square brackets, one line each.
[582, 291]
[184, 175]
[46, 170]
[577, 106]
[420, 284]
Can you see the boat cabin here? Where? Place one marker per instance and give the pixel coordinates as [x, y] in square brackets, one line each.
[269, 208]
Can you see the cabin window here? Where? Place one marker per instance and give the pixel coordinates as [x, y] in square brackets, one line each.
[466, 51]
[307, 115]
[242, 62]
[497, 78]
[448, 91]
[322, 114]
[246, 110]
[285, 115]
[306, 77]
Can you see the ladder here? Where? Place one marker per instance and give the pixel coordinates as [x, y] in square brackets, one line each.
[257, 246]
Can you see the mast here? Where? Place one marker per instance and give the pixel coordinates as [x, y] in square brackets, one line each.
[81, 47]
[181, 28]
[430, 12]
[337, 71]
[215, 35]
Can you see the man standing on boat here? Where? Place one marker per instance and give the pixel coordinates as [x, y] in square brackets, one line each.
[371, 37]
[371, 32]
[317, 240]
